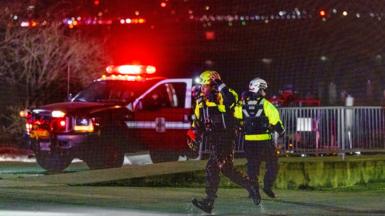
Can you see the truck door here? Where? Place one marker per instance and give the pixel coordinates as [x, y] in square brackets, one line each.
[162, 115]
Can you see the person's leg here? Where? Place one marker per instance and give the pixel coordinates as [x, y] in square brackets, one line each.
[228, 170]
[212, 177]
[212, 181]
[271, 169]
[253, 161]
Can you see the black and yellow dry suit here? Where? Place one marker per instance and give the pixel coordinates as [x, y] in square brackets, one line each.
[259, 118]
[214, 118]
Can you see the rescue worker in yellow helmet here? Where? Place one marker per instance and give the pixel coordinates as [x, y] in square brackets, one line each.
[214, 119]
[259, 119]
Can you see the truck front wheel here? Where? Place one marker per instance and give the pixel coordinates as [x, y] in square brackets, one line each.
[54, 161]
[108, 156]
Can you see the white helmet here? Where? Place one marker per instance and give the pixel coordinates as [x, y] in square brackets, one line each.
[256, 84]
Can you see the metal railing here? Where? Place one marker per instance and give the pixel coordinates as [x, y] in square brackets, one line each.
[319, 130]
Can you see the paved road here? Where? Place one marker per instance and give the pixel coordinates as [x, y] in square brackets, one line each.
[26, 190]
[85, 200]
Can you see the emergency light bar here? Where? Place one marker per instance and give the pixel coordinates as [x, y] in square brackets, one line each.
[131, 69]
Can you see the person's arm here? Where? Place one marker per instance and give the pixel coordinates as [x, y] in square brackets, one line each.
[274, 119]
[238, 115]
[197, 124]
[230, 97]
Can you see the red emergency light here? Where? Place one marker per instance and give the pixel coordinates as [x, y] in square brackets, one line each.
[131, 69]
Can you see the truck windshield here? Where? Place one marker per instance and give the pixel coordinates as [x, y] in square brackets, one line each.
[113, 91]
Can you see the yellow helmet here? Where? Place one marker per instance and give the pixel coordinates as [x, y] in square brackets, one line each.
[208, 76]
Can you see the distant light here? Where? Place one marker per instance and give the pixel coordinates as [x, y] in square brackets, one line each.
[163, 4]
[122, 21]
[137, 13]
[69, 22]
[96, 2]
[322, 13]
[345, 13]
[210, 35]
[78, 18]
[357, 153]
[150, 69]
[371, 14]
[197, 80]
[24, 24]
[15, 17]
[282, 13]
[297, 12]
[323, 58]
[267, 60]
[334, 10]
[303, 155]
[100, 14]
[58, 114]
[128, 21]
[190, 12]
[358, 15]
[33, 23]
[141, 21]
[62, 123]
[207, 8]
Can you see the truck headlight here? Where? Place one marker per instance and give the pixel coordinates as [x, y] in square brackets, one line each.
[83, 125]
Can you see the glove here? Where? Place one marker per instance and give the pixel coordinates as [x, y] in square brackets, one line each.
[279, 129]
[219, 84]
[191, 135]
[217, 81]
[193, 144]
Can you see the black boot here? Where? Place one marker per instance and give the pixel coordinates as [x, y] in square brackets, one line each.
[269, 192]
[254, 194]
[205, 205]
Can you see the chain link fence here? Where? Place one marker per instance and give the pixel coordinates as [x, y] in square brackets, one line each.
[328, 130]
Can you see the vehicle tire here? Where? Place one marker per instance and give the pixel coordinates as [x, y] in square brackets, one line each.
[163, 156]
[54, 162]
[107, 156]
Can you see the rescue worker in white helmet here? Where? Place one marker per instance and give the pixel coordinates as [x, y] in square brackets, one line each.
[259, 119]
[214, 119]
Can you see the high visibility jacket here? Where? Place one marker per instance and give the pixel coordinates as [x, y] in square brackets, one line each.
[214, 115]
[259, 118]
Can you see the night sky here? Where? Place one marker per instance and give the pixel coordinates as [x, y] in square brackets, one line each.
[285, 42]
